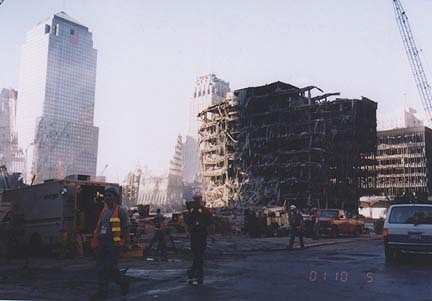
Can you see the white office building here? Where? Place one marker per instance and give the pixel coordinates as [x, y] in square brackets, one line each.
[11, 155]
[209, 90]
[56, 101]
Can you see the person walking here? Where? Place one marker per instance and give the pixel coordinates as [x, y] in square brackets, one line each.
[198, 219]
[159, 237]
[297, 226]
[315, 223]
[9, 236]
[110, 237]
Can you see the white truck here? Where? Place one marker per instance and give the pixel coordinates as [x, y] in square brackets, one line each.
[408, 230]
[49, 210]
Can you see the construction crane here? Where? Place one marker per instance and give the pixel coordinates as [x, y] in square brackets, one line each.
[103, 170]
[414, 57]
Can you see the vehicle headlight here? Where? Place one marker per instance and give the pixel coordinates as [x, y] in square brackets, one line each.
[386, 234]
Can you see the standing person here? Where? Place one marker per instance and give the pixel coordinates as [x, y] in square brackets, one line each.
[315, 223]
[111, 235]
[198, 219]
[10, 236]
[158, 237]
[297, 226]
[141, 223]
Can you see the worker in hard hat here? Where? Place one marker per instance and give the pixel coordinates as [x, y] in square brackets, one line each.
[296, 226]
[159, 237]
[315, 223]
[110, 237]
[197, 219]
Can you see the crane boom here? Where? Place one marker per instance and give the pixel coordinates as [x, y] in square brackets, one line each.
[414, 58]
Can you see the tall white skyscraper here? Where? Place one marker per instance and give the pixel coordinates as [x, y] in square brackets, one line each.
[209, 90]
[10, 154]
[56, 101]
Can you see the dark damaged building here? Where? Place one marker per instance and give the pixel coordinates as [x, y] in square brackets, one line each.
[279, 144]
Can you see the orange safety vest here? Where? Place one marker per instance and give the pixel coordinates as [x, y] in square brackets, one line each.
[115, 223]
[116, 227]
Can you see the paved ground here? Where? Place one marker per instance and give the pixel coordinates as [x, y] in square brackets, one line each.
[244, 245]
[351, 269]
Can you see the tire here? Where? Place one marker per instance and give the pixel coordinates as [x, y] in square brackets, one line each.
[3, 248]
[358, 231]
[275, 230]
[391, 256]
[334, 232]
[35, 244]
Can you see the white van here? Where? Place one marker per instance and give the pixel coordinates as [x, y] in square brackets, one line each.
[407, 229]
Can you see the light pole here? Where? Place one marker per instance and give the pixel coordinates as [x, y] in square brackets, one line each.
[26, 160]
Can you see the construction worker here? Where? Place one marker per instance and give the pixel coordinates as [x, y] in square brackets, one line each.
[111, 236]
[158, 237]
[197, 219]
[10, 234]
[315, 223]
[297, 226]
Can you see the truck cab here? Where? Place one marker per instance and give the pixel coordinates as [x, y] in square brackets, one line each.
[336, 222]
[52, 210]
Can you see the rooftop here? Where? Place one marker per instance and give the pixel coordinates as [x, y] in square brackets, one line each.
[269, 88]
[403, 131]
[68, 18]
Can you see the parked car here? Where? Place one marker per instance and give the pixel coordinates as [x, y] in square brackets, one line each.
[336, 222]
[407, 229]
[271, 221]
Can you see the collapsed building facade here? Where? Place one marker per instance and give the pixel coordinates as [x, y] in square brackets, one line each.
[165, 191]
[131, 187]
[277, 144]
[404, 162]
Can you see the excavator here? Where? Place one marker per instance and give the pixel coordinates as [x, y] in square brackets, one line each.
[7, 182]
[4, 175]
[4, 185]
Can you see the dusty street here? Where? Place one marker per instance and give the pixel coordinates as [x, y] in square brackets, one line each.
[351, 270]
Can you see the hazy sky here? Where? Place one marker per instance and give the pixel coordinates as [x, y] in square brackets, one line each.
[150, 52]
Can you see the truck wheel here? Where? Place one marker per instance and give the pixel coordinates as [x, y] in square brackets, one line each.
[35, 244]
[334, 232]
[358, 231]
[391, 256]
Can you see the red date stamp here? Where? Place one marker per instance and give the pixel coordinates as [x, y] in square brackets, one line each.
[341, 276]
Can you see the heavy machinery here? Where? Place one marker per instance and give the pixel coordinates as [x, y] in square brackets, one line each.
[414, 58]
[4, 176]
[8, 182]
